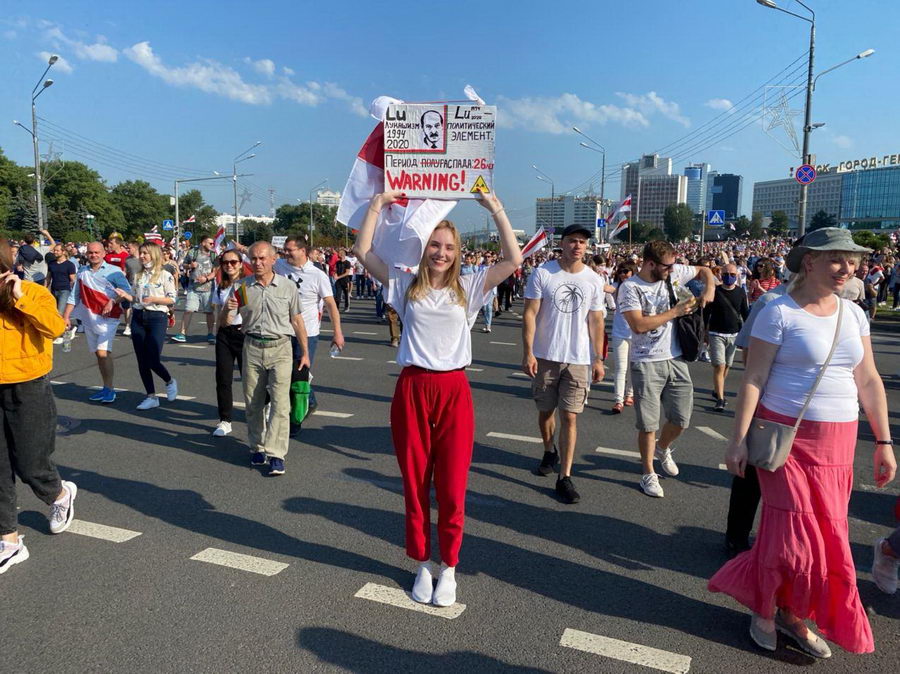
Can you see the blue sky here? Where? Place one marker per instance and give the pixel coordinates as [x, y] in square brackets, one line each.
[192, 84]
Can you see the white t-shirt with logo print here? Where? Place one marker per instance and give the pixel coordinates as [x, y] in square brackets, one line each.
[651, 299]
[561, 332]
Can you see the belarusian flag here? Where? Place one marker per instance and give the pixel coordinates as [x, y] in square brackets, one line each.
[219, 242]
[538, 241]
[621, 209]
[403, 228]
[191, 219]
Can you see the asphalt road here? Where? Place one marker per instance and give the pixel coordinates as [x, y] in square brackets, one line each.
[618, 565]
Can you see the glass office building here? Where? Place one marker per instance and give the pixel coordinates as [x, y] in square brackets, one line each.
[870, 199]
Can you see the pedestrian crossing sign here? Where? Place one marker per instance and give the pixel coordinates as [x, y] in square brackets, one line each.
[715, 219]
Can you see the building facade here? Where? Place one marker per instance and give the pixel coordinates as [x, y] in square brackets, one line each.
[724, 194]
[698, 178]
[824, 194]
[568, 209]
[655, 193]
[633, 172]
[870, 199]
[328, 198]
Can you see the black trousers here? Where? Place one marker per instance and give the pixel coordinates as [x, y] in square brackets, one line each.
[504, 297]
[229, 348]
[343, 292]
[28, 414]
[742, 506]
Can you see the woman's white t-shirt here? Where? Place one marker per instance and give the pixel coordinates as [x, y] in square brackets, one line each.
[220, 297]
[436, 329]
[804, 342]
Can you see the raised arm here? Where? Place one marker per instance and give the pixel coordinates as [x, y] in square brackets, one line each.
[363, 246]
[509, 247]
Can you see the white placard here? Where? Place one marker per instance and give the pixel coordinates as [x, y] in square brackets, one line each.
[440, 151]
[278, 241]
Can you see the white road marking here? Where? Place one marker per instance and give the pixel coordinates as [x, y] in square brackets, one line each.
[393, 361]
[57, 383]
[474, 369]
[618, 452]
[365, 333]
[238, 403]
[178, 397]
[510, 436]
[654, 658]
[97, 388]
[872, 487]
[397, 597]
[335, 415]
[520, 374]
[192, 346]
[235, 560]
[346, 358]
[102, 531]
[504, 343]
[715, 435]
[325, 330]
[722, 466]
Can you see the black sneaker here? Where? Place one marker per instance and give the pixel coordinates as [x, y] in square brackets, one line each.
[720, 405]
[549, 464]
[566, 490]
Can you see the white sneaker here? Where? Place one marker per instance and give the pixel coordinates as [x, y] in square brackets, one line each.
[148, 403]
[650, 485]
[63, 512]
[884, 569]
[423, 587]
[12, 553]
[445, 592]
[223, 428]
[127, 332]
[171, 390]
[668, 464]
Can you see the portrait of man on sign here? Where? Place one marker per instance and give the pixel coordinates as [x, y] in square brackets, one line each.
[432, 130]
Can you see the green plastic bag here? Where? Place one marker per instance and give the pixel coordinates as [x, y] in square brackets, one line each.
[299, 401]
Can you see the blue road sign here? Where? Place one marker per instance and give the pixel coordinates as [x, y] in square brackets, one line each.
[168, 225]
[601, 222]
[715, 219]
[805, 174]
[187, 235]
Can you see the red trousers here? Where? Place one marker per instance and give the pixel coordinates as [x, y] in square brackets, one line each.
[433, 426]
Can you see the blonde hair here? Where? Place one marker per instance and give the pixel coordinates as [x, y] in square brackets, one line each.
[799, 278]
[421, 284]
[156, 261]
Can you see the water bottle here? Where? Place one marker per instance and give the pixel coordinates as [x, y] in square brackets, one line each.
[67, 340]
[335, 351]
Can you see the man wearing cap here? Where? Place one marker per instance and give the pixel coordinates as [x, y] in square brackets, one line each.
[562, 338]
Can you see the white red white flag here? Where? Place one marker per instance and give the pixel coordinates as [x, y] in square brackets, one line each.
[153, 235]
[621, 211]
[403, 228]
[538, 241]
[219, 242]
[191, 219]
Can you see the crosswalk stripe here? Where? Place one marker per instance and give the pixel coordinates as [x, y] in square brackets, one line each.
[335, 415]
[654, 658]
[397, 597]
[235, 560]
[510, 436]
[504, 343]
[107, 533]
[618, 452]
[715, 435]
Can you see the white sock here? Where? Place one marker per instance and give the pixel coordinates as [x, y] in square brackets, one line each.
[423, 586]
[445, 592]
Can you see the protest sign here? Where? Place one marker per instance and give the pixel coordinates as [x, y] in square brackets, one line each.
[439, 151]
[278, 241]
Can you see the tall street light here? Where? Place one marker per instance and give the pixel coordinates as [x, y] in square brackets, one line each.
[234, 176]
[547, 179]
[39, 88]
[194, 180]
[602, 150]
[311, 223]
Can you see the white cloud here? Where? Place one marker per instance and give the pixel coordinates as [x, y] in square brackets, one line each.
[843, 142]
[263, 66]
[287, 71]
[298, 93]
[97, 51]
[61, 63]
[720, 104]
[651, 103]
[355, 102]
[207, 75]
[557, 115]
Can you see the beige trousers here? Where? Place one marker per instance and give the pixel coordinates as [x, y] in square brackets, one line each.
[267, 368]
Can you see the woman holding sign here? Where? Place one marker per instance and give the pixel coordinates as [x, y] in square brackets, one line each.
[432, 417]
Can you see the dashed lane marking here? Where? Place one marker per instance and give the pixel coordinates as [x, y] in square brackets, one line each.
[97, 388]
[394, 362]
[397, 597]
[504, 343]
[722, 466]
[113, 534]
[474, 369]
[57, 383]
[192, 346]
[346, 358]
[334, 415]
[520, 438]
[178, 397]
[618, 452]
[715, 435]
[654, 658]
[235, 560]
[374, 334]
[520, 374]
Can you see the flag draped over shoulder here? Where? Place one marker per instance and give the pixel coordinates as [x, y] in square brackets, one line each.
[94, 292]
[403, 228]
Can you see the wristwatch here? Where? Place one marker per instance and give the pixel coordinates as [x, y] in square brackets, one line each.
[885, 442]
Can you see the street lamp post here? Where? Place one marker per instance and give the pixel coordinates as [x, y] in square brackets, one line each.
[194, 180]
[234, 177]
[602, 150]
[547, 179]
[311, 223]
[39, 88]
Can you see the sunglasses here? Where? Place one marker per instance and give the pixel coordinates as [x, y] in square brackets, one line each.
[664, 266]
[230, 262]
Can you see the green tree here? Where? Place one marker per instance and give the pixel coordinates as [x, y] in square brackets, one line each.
[871, 240]
[678, 222]
[821, 219]
[756, 226]
[742, 226]
[779, 224]
[256, 231]
[14, 183]
[142, 206]
[74, 191]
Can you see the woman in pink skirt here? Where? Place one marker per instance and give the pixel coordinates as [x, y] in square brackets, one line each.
[801, 566]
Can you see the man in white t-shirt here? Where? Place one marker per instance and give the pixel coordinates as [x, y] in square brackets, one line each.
[314, 289]
[562, 337]
[658, 373]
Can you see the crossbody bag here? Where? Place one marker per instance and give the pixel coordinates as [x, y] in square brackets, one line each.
[769, 442]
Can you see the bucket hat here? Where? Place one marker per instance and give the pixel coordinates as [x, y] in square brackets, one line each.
[826, 238]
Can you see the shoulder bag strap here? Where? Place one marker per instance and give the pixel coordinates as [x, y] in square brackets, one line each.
[812, 391]
[672, 299]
